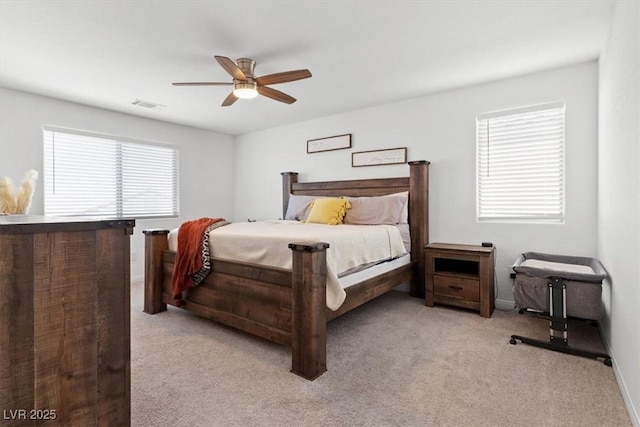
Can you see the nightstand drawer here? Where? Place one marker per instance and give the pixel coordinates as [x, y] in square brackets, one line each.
[456, 287]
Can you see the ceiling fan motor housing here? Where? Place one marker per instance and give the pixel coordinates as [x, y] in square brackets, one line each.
[247, 66]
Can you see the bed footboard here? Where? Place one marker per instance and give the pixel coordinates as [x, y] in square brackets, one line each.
[154, 244]
[268, 294]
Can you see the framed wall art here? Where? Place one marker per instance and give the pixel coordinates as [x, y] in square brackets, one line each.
[387, 156]
[329, 143]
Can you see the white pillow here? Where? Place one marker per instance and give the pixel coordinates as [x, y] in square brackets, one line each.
[404, 215]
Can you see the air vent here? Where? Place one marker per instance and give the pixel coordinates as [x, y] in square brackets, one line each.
[148, 104]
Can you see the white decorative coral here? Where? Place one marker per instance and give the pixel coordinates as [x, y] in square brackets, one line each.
[17, 201]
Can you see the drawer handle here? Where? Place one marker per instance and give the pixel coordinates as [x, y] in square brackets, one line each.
[456, 288]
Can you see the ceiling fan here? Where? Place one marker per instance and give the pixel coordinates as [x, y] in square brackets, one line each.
[247, 85]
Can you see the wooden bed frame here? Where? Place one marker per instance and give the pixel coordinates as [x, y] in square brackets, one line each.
[289, 306]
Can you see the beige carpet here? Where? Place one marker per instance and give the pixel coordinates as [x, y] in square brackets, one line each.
[392, 362]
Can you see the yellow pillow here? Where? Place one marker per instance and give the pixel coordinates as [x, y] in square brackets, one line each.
[328, 211]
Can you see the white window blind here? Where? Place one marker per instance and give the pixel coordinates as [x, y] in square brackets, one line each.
[94, 175]
[520, 164]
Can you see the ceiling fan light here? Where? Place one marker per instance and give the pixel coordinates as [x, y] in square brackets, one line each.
[245, 90]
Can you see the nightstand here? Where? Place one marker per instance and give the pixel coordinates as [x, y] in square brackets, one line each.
[461, 276]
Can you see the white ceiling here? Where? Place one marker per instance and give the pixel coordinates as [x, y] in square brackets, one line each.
[361, 53]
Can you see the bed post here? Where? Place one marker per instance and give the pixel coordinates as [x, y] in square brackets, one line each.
[155, 241]
[308, 309]
[288, 178]
[419, 221]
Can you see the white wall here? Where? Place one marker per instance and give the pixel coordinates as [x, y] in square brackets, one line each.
[23, 115]
[441, 128]
[619, 197]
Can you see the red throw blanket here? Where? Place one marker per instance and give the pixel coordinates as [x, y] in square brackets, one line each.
[192, 257]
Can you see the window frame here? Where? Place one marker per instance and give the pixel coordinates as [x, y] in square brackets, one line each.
[526, 216]
[119, 203]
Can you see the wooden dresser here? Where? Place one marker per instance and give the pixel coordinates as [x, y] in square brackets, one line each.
[460, 275]
[64, 319]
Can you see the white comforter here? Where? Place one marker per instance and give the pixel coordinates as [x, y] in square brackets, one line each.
[266, 243]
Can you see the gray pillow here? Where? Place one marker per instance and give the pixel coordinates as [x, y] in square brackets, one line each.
[299, 207]
[376, 210]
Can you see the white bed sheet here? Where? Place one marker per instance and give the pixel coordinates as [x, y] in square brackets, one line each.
[266, 243]
[374, 270]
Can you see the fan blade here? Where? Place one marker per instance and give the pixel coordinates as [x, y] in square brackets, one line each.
[202, 84]
[276, 94]
[285, 76]
[231, 67]
[229, 100]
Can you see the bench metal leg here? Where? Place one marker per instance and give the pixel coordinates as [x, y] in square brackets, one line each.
[559, 327]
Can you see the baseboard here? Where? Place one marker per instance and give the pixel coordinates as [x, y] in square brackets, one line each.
[503, 304]
[626, 396]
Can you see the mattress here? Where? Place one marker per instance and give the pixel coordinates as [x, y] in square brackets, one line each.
[266, 243]
[582, 276]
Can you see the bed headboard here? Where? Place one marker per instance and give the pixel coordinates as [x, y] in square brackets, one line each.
[417, 184]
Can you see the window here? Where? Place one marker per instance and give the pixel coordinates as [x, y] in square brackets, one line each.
[95, 175]
[520, 164]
